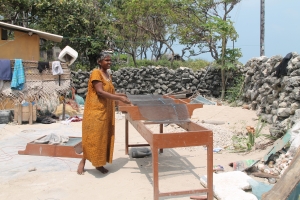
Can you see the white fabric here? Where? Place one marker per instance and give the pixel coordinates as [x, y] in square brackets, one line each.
[295, 137]
[230, 186]
[56, 68]
[52, 138]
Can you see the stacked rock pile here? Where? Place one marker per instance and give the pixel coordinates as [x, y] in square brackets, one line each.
[276, 99]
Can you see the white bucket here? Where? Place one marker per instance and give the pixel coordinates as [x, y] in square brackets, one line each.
[68, 55]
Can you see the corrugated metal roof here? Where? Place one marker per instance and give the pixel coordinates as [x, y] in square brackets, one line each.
[44, 35]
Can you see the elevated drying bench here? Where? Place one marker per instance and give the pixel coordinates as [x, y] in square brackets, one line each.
[157, 109]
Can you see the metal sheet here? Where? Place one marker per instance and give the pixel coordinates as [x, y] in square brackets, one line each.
[152, 102]
[149, 99]
[202, 100]
[167, 113]
[144, 97]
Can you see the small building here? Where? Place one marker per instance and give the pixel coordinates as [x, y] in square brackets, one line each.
[18, 42]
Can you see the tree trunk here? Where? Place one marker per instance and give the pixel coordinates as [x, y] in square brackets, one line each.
[223, 69]
[93, 61]
[223, 83]
[134, 60]
[128, 58]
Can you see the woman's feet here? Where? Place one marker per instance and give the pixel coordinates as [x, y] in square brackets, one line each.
[80, 169]
[102, 169]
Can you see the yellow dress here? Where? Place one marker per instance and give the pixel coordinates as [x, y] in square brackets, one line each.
[98, 124]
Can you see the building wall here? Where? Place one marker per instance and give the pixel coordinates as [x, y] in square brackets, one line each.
[23, 46]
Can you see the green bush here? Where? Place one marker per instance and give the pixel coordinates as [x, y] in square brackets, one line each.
[233, 93]
[164, 62]
[194, 64]
[79, 66]
[120, 61]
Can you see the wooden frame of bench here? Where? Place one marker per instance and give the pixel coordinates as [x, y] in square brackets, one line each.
[195, 135]
[70, 151]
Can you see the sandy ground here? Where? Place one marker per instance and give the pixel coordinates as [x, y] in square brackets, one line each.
[53, 178]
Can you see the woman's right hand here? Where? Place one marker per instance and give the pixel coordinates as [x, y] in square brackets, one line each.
[124, 99]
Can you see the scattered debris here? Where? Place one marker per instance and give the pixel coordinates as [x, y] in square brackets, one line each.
[140, 152]
[263, 175]
[217, 168]
[245, 106]
[218, 149]
[277, 165]
[263, 146]
[243, 165]
[278, 145]
[32, 169]
[287, 187]
[213, 122]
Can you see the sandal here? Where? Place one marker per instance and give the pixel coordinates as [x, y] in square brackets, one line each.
[51, 119]
[46, 121]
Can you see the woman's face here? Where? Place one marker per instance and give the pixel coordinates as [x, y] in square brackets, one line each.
[105, 63]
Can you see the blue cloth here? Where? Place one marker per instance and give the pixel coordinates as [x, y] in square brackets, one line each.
[259, 188]
[5, 70]
[79, 99]
[18, 78]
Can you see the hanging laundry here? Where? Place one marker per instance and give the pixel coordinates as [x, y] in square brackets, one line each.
[5, 70]
[43, 66]
[56, 68]
[18, 77]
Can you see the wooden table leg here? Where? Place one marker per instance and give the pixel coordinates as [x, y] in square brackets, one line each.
[20, 114]
[126, 136]
[155, 173]
[161, 130]
[210, 194]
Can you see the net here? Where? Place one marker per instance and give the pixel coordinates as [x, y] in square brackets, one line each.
[155, 108]
[43, 88]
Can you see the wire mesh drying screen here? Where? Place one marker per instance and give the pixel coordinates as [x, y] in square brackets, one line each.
[166, 113]
[156, 108]
[144, 97]
[149, 99]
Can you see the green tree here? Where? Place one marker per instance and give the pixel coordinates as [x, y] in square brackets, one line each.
[144, 21]
[84, 24]
[203, 26]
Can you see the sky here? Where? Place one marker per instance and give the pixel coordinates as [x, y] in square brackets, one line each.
[282, 29]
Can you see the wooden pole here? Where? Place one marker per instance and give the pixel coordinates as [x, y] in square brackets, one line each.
[20, 114]
[262, 27]
[30, 113]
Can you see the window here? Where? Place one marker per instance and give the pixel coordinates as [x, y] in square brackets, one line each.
[7, 34]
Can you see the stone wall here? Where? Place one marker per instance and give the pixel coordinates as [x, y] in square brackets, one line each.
[276, 100]
[160, 80]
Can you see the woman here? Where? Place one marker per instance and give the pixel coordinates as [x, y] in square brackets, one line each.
[98, 124]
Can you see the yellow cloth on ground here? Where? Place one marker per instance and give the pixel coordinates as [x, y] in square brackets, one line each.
[98, 124]
[68, 110]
